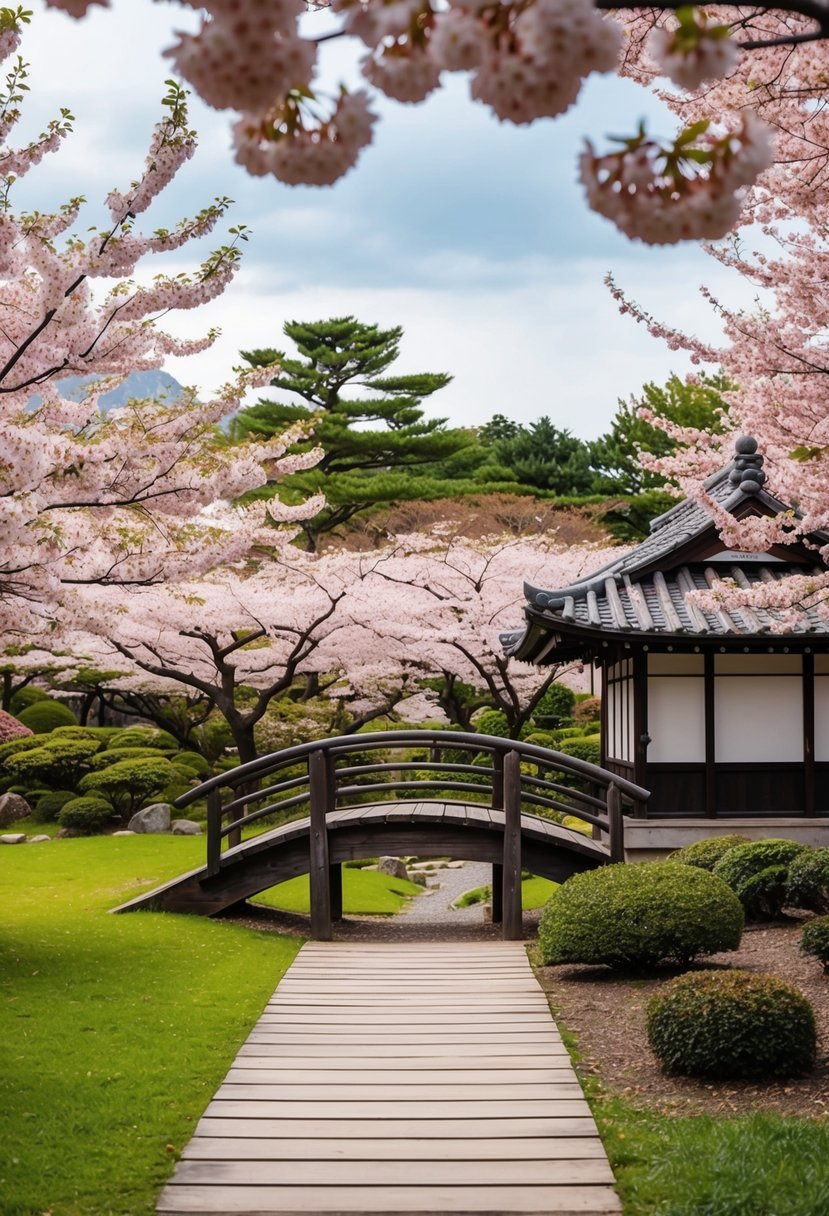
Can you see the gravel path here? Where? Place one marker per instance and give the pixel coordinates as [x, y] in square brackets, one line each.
[428, 917]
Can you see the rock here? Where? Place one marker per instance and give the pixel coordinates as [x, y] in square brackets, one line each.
[454, 865]
[416, 877]
[63, 834]
[152, 819]
[39, 839]
[14, 838]
[124, 832]
[12, 808]
[186, 827]
[393, 866]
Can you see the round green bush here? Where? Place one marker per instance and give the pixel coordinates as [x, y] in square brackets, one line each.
[587, 747]
[24, 697]
[706, 853]
[43, 716]
[741, 866]
[639, 915]
[808, 881]
[493, 722]
[25, 743]
[57, 763]
[114, 755]
[732, 1024]
[50, 804]
[144, 736]
[197, 763]
[556, 705]
[129, 784]
[86, 816]
[815, 940]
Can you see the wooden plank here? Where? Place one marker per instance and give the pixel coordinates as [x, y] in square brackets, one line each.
[410, 1130]
[367, 1091]
[266, 1072]
[381, 1148]
[287, 1066]
[297, 1201]
[407, 1053]
[336, 1108]
[578, 1172]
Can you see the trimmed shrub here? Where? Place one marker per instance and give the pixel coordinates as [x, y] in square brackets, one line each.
[87, 816]
[144, 736]
[588, 710]
[741, 866]
[24, 697]
[114, 755]
[43, 716]
[556, 705]
[808, 881]
[25, 743]
[493, 722]
[11, 729]
[577, 825]
[639, 915]
[58, 763]
[732, 1024]
[706, 853]
[587, 747]
[50, 804]
[815, 940]
[102, 734]
[197, 763]
[128, 784]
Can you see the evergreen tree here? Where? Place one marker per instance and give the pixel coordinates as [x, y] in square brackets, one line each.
[370, 426]
[541, 455]
[615, 455]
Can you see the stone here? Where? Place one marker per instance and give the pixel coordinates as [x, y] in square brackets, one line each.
[186, 827]
[152, 819]
[417, 877]
[12, 808]
[39, 839]
[395, 867]
[454, 865]
[14, 838]
[124, 832]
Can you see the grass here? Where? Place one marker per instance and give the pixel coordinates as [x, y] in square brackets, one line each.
[534, 893]
[364, 892]
[115, 1030]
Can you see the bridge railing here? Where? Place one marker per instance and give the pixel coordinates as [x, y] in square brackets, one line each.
[508, 775]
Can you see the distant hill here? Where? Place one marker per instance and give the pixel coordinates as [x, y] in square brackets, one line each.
[138, 386]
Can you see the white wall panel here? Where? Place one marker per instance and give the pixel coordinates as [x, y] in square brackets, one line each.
[822, 718]
[758, 719]
[620, 720]
[676, 720]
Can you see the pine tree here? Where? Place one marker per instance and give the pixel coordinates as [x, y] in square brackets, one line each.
[370, 426]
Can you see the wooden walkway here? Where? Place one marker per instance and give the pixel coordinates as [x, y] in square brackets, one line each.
[388, 1079]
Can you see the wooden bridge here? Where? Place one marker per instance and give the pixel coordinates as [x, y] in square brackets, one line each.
[402, 803]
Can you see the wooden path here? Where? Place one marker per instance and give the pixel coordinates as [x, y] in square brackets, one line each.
[389, 1079]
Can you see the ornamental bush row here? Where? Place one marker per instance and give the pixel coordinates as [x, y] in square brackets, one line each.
[766, 875]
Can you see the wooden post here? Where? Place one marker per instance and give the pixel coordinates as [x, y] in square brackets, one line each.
[335, 884]
[616, 823]
[710, 738]
[512, 910]
[497, 894]
[318, 870]
[214, 832]
[808, 678]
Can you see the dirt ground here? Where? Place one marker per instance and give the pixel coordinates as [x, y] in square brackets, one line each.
[606, 1011]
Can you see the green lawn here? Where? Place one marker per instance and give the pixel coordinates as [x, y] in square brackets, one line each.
[364, 892]
[535, 892]
[115, 1030]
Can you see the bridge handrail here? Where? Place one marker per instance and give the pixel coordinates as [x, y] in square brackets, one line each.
[321, 786]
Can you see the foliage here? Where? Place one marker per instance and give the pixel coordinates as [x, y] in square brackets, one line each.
[23, 743]
[144, 737]
[49, 805]
[639, 916]
[369, 443]
[629, 519]
[706, 853]
[58, 763]
[741, 865]
[616, 455]
[11, 728]
[113, 755]
[588, 748]
[44, 715]
[732, 1024]
[86, 816]
[196, 763]
[493, 722]
[815, 940]
[807, 884]
[129, 784]
[555, 706]
[542, 456]
[24, 697]
[114, 1022]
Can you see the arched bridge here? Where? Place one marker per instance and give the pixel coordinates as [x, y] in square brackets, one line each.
[399, 792]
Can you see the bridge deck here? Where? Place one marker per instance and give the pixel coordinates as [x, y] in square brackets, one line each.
[382, 1079]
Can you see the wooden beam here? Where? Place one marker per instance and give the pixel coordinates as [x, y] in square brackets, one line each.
[214, 832]
[710, 750]
[335, 883]
[640, 726]
[318, 872]
[512, 910]
[497, 894]
[808, 677]
[616, 823]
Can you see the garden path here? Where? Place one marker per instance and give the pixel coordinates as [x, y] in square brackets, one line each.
[399, 1078]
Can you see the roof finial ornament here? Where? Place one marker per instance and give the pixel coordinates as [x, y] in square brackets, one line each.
[747, 473]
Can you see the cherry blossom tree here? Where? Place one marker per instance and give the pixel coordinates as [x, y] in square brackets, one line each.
[527, 59]
[142, 494]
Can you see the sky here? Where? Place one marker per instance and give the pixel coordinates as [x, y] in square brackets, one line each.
[470, 234]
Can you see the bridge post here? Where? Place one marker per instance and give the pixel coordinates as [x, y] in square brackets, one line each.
[214, 832]
[513, 920]
[335, 883]
[497, 894]
[319, 780]
[616, 823]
